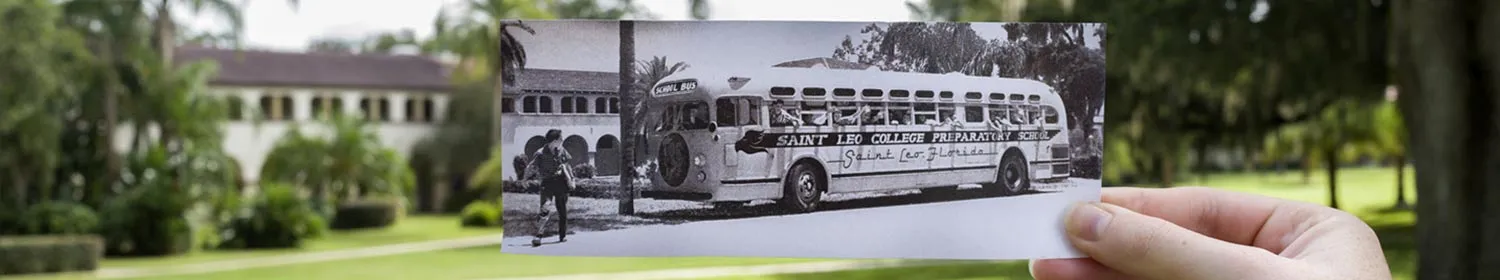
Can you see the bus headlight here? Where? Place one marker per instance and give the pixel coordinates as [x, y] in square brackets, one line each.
[698, 160]
[702, 176]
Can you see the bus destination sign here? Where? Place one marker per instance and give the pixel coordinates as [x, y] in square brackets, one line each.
[785, 140]
[676, 87]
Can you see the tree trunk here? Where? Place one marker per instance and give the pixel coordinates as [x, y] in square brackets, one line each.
[1401, 183]
[1450, 68]
[1168, 166]
[1330, 157]
[18, 183]
[164, 32]
[627, 99]
[1307, 167]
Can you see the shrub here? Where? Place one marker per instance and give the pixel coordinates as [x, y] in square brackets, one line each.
[480, 214]
[49, 254]
[369, 213]
[519, 163]
[58, 217]
[280, 218]
[147, 220]
[583, 171]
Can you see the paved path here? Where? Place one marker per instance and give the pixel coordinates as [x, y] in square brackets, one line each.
[736, 271]
[330, 255]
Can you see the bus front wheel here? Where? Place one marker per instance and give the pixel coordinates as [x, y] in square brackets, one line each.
[803, 188]
[1012, 178]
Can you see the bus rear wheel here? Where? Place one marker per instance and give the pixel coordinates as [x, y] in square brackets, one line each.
[803, 188]
[1012, 177]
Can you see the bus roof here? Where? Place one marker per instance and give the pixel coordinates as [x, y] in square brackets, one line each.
[717, 82]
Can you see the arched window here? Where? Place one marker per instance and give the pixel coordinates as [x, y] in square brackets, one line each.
[545, 104]
[277, 105]
[528, 104]
[236, 107]
[581, 105]
[375, 108]
[507, 105]
[601, 105]
[614, 105]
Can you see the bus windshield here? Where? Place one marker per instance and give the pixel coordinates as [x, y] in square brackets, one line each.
[685, 116]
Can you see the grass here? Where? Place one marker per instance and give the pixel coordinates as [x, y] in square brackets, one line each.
[1367, 192]
[471, 263]
[414, 228]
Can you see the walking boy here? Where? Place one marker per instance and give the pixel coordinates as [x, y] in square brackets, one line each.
[550, 165]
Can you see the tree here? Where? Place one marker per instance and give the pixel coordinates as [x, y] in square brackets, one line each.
[345, 164]
[1444, 64]
[1390, 143]
[628, 99]
[35, 94]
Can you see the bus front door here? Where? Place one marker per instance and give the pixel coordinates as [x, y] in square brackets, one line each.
[741, 132]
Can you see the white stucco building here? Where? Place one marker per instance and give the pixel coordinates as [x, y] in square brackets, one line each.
[403, 96]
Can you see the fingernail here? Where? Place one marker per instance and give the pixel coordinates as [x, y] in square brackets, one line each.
[1087, 221]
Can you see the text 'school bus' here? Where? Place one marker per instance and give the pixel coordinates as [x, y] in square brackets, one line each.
[796, 134]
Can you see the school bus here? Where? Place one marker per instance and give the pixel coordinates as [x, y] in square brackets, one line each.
[794, 135]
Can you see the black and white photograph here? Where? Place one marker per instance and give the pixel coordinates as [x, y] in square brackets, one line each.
[807, 139]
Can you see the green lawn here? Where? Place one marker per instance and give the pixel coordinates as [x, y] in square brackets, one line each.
[1368, 192]
[414, 228]
[472, 263]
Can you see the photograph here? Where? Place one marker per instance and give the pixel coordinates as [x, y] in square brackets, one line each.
[814, 139]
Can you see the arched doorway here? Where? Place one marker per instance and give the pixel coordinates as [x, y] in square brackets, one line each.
[579, 148]
[534, 144]
[607, 159]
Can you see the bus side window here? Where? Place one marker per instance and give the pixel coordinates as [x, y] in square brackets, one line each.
[900, 113]
[1050, 114]
[783, 114]
[1036, 114]
[877, 114]
[727, 111]
[926, 113]
[815, 113]
[750, 115]
[947, 113]
[974, 114]
[1017, 113]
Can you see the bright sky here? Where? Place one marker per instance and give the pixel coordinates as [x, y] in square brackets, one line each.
[275, 24]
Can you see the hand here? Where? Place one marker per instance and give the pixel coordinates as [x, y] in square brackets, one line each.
[1203, 233]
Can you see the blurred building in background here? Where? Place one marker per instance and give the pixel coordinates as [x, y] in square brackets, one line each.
[403, 97]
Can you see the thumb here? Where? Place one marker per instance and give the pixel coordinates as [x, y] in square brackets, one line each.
[1152, 248]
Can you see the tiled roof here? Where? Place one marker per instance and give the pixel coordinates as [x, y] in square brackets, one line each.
[826, 62]
[362, 71]
[554, 80]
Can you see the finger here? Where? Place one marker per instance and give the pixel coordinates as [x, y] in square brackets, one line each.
[1149, 247]
[1238, 218]
[1066, 269]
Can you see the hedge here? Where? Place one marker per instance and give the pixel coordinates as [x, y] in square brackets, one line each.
[58, 217]
[480, 214]
[50, 253]
[280, 219]
[370, 213]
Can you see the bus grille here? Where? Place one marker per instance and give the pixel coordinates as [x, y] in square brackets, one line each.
[1060, 151]
[1060, 168]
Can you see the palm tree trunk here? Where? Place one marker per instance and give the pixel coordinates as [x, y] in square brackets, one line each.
[164, 32]
[627, 98]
